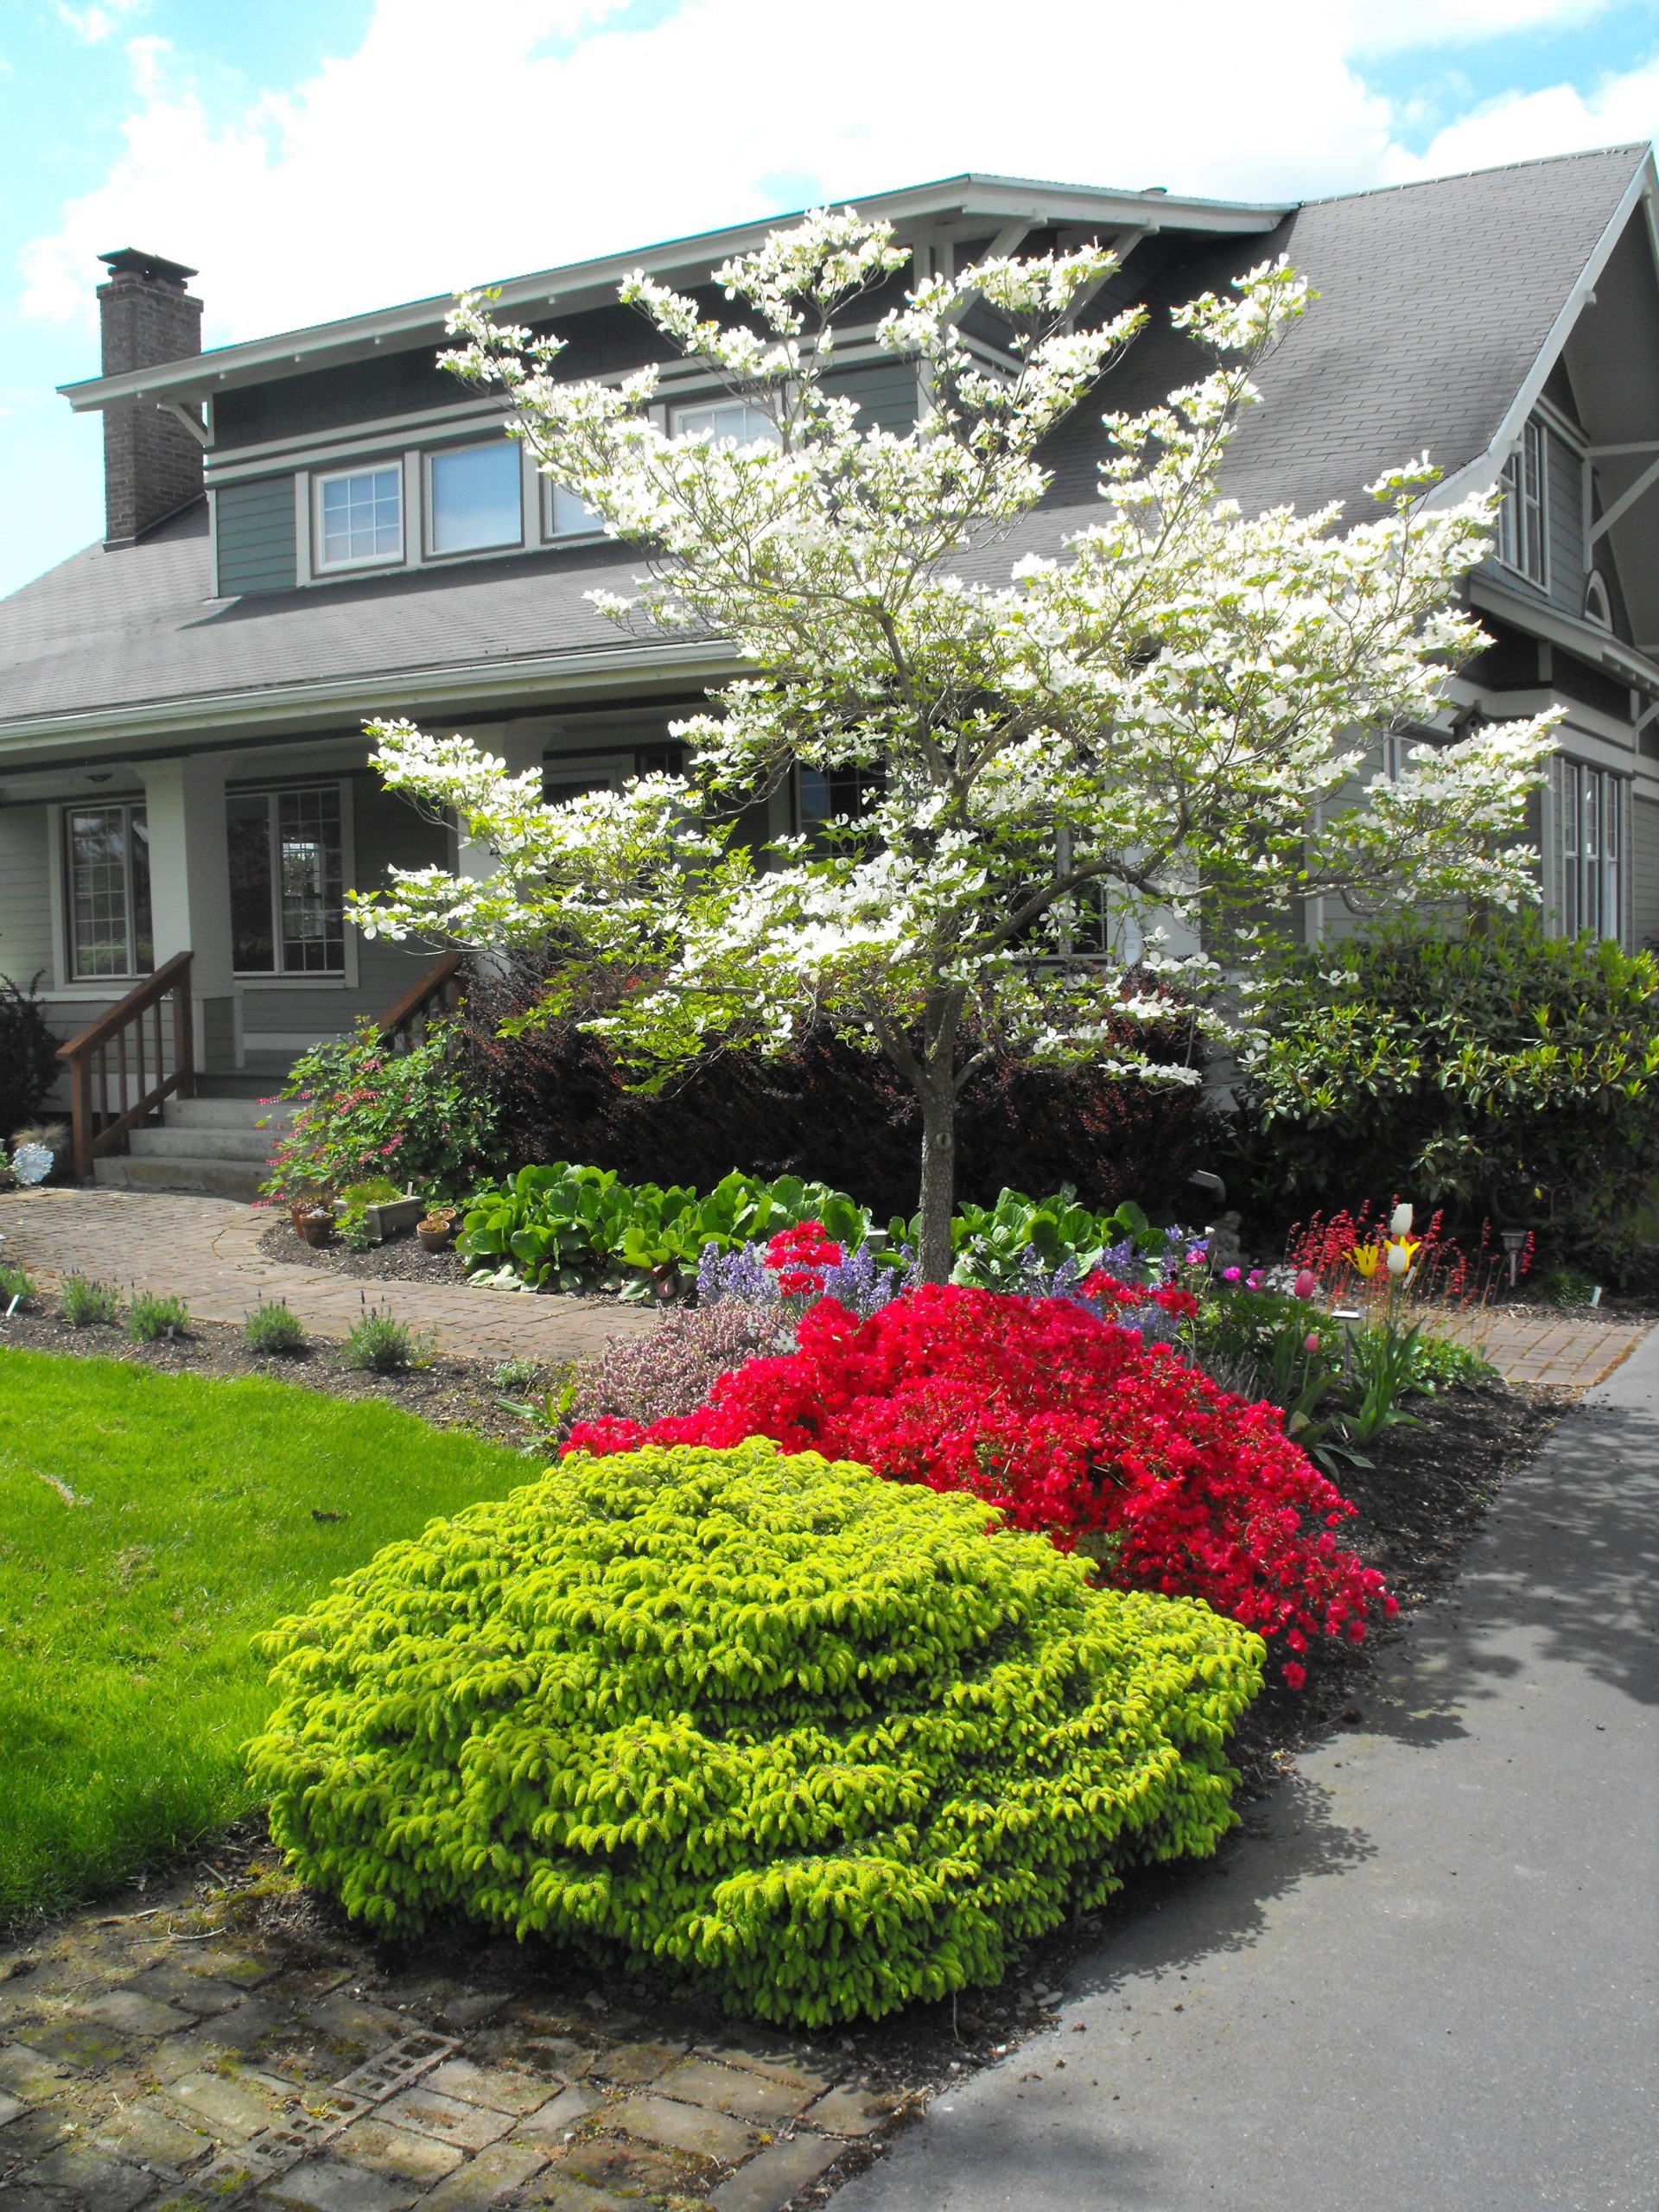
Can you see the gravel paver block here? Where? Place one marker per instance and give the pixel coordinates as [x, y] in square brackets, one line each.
[631, 2063]
[193, 1992]
[502, 2089]
[248, 2027]
[245, 1968]
[469, 2128]
[328, 2185]
[79, 2043]
[152, 2138]
[233, 2109]
[91, 2182]
[673, 2126]
[780, 2065]
[129, 2013]
[750, 2096]
[489, 2179]
[9, 2108]
[551, 2123]
[27, 2074]
[628, 2168]
[768, 2182]
[853, 2109]
[386, 2148]
[562, 2192]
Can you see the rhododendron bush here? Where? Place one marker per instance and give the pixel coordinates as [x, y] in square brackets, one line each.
[1071, 1424]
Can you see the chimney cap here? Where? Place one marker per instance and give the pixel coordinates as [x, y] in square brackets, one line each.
[129, 261]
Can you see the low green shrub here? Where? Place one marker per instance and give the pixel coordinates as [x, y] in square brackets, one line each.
[381, 1344]
[1442, 1364]
[150, 1318]
[273, 1328]
[18, 1283]
[813, 1738]
[29, 1055]
[364, 1111]
[85, 1305]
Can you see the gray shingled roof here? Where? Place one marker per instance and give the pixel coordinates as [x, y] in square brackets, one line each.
[1435, 301]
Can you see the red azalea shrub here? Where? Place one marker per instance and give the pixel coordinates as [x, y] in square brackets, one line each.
[799, 1256]
[1071, 1425]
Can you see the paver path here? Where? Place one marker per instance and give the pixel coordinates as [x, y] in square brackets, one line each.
[1530, 1344]
[206, 1252]
[1428, 1976]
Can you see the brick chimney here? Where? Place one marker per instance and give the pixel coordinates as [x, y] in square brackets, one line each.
[152, 466]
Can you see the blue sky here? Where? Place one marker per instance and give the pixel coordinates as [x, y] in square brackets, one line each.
[320, 157]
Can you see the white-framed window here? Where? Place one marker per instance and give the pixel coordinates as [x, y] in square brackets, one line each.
[360, 516]
[1590, 840]
[287, 858]
[721, 418]
[107, 869]
[475, 498]
[567, 516]
[1598, 608]
[1522, 520]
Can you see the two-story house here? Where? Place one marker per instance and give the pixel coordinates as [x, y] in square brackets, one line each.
[311, 528]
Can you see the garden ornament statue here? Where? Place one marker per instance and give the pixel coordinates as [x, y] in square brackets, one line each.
[1226, 1248]
[32, 1164]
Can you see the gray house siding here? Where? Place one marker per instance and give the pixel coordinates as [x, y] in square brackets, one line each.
[1644, 867]
[886, 394]
[25, 895]
[254, 526]
[1565, 520]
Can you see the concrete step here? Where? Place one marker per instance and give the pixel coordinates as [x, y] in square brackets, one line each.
[222, 1114]
[216, 1141]
[205, 1179]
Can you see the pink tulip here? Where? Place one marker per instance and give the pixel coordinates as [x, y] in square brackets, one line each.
[1306, 1284]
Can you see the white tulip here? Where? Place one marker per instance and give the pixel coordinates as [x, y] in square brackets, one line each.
[1398, 1259]
[1399, 1221]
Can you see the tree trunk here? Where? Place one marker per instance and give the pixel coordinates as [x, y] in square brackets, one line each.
[938, 1098]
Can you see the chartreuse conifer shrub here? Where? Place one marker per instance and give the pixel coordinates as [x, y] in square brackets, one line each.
[824, 1742]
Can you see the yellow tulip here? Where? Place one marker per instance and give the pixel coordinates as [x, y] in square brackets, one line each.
[1366, 1258]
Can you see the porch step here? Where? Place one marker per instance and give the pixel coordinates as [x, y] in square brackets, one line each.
[208, 1148]
[216, 1140]
[205, 1179]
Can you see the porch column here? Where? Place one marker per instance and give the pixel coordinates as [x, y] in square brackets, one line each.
[190, 896]
[521, 745]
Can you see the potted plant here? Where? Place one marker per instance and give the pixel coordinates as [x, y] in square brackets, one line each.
[315, 1223]
[437, 1230]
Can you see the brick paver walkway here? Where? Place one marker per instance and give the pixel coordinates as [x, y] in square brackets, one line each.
[175, 2057]
[1534, 1345]
[206, 1252]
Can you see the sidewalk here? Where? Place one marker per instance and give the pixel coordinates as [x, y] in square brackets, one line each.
[1428, 1975]
[206, 1252]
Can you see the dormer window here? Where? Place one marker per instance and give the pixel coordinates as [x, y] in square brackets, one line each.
[360, 518]
[568, 516]
[1523, 542]
[723, 418]
[477, 497]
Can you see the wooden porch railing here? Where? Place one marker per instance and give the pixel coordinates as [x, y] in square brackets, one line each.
[106, 1103]
[435, 993]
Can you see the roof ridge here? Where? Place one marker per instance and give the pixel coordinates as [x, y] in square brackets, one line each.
[1639, 148]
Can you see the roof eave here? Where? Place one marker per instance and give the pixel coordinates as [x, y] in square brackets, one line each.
[586, 283]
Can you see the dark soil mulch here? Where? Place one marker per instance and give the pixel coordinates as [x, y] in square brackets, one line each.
[401, 1260]
[1417, 1508]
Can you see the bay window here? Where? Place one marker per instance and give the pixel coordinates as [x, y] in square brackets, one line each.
[107, 864]
[287, 881]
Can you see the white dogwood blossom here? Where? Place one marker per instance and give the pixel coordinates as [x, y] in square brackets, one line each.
[1172, 719]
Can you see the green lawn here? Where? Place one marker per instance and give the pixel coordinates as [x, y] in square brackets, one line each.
[149, 1526]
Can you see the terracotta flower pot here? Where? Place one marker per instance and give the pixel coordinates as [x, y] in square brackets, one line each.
[316, 1228]
[435, 1235]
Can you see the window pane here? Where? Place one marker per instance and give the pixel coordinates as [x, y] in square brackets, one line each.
[476, 498]
[724, 418]
[310, 877]
[571, 519]
[362, 515]
[98, 891]
[253, 935]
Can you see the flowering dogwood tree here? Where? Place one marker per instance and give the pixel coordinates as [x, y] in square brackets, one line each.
[1169, 714]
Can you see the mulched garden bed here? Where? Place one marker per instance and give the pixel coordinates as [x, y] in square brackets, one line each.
[400, 1261]
[1420, 1504]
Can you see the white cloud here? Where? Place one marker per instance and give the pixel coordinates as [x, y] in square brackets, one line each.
[95, 22]
[1559, 120]
[454, 145]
